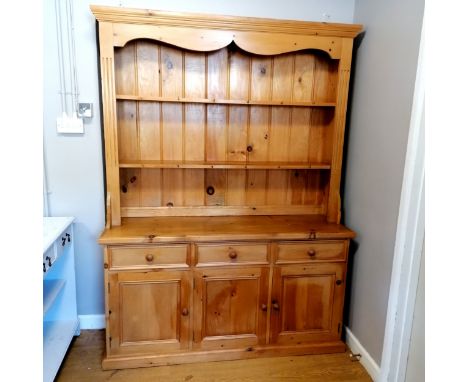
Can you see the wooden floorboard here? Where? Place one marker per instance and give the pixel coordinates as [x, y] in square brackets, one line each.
[83, 363]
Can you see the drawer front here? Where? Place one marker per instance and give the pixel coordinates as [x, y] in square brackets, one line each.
[303, 252]
[48, 258]
[231, 254]
[167, 256]
[63, 242]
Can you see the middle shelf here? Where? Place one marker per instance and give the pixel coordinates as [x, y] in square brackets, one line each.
[224, 165]
[222, 101]
[51, 290]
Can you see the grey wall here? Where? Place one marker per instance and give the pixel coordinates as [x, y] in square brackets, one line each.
[381, 100]
[73, 164]
[415, 369]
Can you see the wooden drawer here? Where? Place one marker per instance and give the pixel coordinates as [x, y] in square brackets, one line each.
[167, 256]
[303, 252]
[231, 254]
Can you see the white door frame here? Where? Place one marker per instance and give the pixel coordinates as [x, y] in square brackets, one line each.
[408, 243]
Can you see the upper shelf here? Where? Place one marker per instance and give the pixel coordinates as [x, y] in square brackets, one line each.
[223, 101]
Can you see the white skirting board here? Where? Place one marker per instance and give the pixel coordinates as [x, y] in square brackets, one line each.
[92, 321]
[366, 360]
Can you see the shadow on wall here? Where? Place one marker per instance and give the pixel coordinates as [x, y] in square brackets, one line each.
[353, 245]
[353, 248]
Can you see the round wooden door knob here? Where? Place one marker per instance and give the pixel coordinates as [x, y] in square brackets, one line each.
[233, 254]
[275, 305]
[264, 307]
[311, 252]
[149, 257]
[185, 312]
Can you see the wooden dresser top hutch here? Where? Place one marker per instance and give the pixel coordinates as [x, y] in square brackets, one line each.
[223, 148]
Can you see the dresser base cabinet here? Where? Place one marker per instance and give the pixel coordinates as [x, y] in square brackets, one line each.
[193, 295]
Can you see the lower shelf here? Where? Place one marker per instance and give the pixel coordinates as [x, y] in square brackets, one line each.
[57, 336]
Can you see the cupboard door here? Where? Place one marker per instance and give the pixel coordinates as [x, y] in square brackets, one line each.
[149, 311]
[230, 307]
[307, 303]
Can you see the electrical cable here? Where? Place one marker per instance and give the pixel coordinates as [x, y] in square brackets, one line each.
[58, 22]
[75, 71]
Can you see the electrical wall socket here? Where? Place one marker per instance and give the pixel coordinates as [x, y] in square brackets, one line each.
[85, 110]
[69, 125]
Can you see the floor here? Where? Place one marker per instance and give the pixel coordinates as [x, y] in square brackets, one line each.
[83, 363]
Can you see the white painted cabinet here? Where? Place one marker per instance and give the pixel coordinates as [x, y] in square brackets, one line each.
[60, 318]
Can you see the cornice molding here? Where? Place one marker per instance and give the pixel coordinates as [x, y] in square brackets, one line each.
[207, 21]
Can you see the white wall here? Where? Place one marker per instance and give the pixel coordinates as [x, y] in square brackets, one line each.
[380, 111]
[74, 164]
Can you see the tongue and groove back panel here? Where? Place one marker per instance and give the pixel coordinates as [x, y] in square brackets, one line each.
[256, 129]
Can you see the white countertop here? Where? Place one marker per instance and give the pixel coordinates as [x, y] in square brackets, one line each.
[52, 227]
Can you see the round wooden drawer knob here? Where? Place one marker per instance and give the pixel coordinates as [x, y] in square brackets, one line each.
[185, 312]
[249, 148]
[233, 254]
[264, 307]
[311, 252]
[149, 258]
[275, 305]
[338, 282]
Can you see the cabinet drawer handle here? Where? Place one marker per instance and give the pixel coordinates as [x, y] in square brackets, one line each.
[338, 282]
[149, 258]
[275, 305]
[249, 148]
[264, 307]
[185, 312]
[49, 260]
[311, 252]
[232, 254]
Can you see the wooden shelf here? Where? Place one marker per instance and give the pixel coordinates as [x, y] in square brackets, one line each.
[226, 165]
[127, 97]
[51, 290]
[163, 229]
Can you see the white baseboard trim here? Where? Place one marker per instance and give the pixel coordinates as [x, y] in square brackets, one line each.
[92, 321]
[366, 360]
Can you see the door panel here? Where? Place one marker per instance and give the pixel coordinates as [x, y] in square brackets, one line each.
[305, 294]
[307, 303]
[228, 307]
[149, 311]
